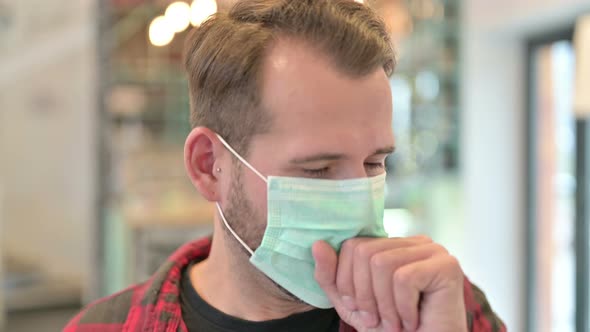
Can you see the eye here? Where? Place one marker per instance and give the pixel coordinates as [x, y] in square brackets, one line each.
[375, 165]
[316, 173]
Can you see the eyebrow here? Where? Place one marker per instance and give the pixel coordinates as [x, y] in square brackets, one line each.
[387, 150]
[318, 157]
[336, 156]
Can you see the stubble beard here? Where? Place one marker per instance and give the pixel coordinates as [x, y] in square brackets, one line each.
[250, 226]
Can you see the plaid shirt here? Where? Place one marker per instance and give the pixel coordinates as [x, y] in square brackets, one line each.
[155, 304]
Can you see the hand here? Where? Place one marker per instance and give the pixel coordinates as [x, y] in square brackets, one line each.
[399, 284]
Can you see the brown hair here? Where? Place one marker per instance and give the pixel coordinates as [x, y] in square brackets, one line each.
[223, 57]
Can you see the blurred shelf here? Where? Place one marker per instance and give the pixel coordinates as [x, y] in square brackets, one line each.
[27, 288]
[190, 215]
[46, 293]
[40, 320]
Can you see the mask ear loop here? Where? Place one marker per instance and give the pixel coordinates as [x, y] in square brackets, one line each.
[240, 158]
[232, 231]
[237, 155]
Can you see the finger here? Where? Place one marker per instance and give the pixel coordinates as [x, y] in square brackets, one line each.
[417, 239]
[345, 279]
[325, 274]
[440, 273]
[344, 275]
[364, 296]
[383, 265]
[326, 262]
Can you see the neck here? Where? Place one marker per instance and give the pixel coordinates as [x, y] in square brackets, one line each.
[228, 282]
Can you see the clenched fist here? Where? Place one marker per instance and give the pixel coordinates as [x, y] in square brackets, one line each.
[391, 285]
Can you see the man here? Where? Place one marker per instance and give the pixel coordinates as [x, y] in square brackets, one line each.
[291, 110]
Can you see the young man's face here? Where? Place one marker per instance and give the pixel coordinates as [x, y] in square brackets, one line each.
[324, 125]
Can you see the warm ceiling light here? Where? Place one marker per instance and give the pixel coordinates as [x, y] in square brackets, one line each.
[161, 32]
[201, 10]
[178, 15]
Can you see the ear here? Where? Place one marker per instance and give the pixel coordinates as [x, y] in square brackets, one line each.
[201, 155]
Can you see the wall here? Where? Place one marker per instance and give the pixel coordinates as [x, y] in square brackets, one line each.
[47, 134]
[493, 155]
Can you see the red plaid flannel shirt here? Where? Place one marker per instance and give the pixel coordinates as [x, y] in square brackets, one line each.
[155, 305]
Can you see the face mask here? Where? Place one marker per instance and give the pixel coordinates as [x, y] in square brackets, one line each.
[302, 211]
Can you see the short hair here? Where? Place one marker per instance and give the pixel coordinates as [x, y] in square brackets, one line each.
[224, 56]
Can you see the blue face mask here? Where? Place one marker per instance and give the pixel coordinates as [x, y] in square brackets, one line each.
[302, 211]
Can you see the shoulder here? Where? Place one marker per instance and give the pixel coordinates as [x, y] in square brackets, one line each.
[107, 314]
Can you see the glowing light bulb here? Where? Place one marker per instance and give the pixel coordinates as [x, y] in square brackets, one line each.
[161, 32]
[178, 15]
[201, 10]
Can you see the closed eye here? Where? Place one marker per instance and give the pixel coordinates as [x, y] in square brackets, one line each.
[317, 173]
[375, 165]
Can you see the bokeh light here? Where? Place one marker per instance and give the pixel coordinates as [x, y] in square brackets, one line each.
[161, 32]
[201, 10]
[178, 15]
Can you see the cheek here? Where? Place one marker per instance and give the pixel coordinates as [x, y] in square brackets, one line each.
[255, 189]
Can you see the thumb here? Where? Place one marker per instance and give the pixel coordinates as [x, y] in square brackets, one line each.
[326, 263]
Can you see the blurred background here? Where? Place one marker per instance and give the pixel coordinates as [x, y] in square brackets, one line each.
[492, 108]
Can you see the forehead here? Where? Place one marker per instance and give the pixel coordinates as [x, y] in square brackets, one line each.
[308, 96]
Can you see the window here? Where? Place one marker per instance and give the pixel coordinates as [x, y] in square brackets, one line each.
[557, 222]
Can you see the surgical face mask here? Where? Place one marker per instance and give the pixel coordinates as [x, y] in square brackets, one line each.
[302, 211]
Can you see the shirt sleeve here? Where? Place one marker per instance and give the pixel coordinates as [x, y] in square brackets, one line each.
[480, 316]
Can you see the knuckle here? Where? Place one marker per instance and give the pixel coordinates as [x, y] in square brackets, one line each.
[380, 261]
[455, 265]
[439, 249]
[454, 270]
[348, 316]
[402, 278]
[397, 327]
[362, 251]
[453, 261]
[366, 302]
[349, 245]
[424, 239]
[387, 311]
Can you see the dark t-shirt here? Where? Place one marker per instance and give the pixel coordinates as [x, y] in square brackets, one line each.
[199, 316]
